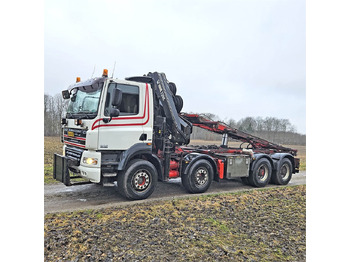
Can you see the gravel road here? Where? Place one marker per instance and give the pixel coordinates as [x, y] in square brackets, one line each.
[59, 198]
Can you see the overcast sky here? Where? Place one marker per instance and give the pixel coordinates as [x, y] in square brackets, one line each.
[230, 58]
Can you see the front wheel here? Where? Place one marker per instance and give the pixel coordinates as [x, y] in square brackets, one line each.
[138, 181]
[261, 174]
[198, 179]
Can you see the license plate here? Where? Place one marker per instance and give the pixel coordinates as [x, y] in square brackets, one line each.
[70, 133]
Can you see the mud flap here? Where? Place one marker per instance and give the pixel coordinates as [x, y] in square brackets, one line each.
[60, 169]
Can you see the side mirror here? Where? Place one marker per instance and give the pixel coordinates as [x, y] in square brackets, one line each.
[65, 94]
[114, 112]
[116, 97]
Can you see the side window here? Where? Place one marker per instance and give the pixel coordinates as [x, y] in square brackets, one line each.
[130, 99]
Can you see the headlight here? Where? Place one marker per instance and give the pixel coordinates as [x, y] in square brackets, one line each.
[90, 161]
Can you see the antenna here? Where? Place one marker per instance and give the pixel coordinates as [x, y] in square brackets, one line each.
[93, 72]
[113, 68]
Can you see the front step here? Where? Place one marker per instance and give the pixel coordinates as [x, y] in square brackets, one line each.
[109, 174]
[108, 179]
[108, 184]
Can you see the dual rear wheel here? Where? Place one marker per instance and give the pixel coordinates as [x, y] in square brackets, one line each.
[262, 173]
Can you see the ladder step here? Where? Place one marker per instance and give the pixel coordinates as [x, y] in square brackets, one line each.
[108, 184]
[109, 174]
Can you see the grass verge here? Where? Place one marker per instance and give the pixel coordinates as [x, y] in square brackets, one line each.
[259, 225]
[52, 145]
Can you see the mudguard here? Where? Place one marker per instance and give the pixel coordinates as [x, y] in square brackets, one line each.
[277, 157]
[258, 156]
[193, 157]
[137, 149]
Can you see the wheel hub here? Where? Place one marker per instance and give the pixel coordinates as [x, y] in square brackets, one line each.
[141, 180]
[201, 176]
[284, 171]
[262, 173]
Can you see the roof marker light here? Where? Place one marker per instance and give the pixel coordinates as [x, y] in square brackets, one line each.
[78, 79]
[105, 73]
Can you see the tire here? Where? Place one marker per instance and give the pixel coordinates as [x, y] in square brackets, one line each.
[172, 88]
[261, 174]
[179, 103]
[284, 174]
[199, 177]
[138, 181]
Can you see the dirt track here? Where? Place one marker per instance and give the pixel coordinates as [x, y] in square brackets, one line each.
[59, 198]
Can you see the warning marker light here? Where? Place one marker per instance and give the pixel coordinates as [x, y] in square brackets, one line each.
[105, 73]
[78, 79]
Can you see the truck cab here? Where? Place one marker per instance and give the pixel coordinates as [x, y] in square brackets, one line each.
[95, 130]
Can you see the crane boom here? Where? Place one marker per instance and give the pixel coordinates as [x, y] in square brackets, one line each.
[222, 128]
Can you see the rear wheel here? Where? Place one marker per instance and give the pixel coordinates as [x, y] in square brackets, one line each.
[138, 181]
[199, 177]
[284, 174]
[261, 174]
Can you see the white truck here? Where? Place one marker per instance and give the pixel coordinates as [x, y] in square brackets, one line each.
[132, 131]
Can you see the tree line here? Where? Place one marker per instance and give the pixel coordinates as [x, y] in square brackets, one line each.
[273, 129]
[54, 107]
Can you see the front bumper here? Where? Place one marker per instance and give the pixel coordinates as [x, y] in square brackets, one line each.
[62, 164]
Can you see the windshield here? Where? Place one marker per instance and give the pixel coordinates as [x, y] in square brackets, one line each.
[84, 103]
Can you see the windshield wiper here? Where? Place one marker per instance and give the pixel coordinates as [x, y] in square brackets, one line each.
[81, 115]
[87, 115]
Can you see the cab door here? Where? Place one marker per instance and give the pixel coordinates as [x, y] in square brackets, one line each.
[128, 128]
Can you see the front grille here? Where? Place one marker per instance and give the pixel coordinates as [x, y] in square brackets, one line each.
[74, 153]
[74, 137]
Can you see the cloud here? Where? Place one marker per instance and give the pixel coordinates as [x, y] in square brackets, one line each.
[229, 57]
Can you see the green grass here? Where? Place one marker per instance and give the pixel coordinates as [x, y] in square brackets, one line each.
[51, 145]
[258, 225]
[48, 175]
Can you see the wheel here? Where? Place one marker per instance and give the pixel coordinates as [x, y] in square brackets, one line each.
[199, 177]
[172, 88]
[179, 103]
[284, 174]
[261, 174]
[138, 181]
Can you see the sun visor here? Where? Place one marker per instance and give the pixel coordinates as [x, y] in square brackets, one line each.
[90, 85]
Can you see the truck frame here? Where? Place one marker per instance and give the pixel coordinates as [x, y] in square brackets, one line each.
[133, 132]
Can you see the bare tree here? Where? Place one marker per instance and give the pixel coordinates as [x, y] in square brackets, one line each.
[54, 108]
